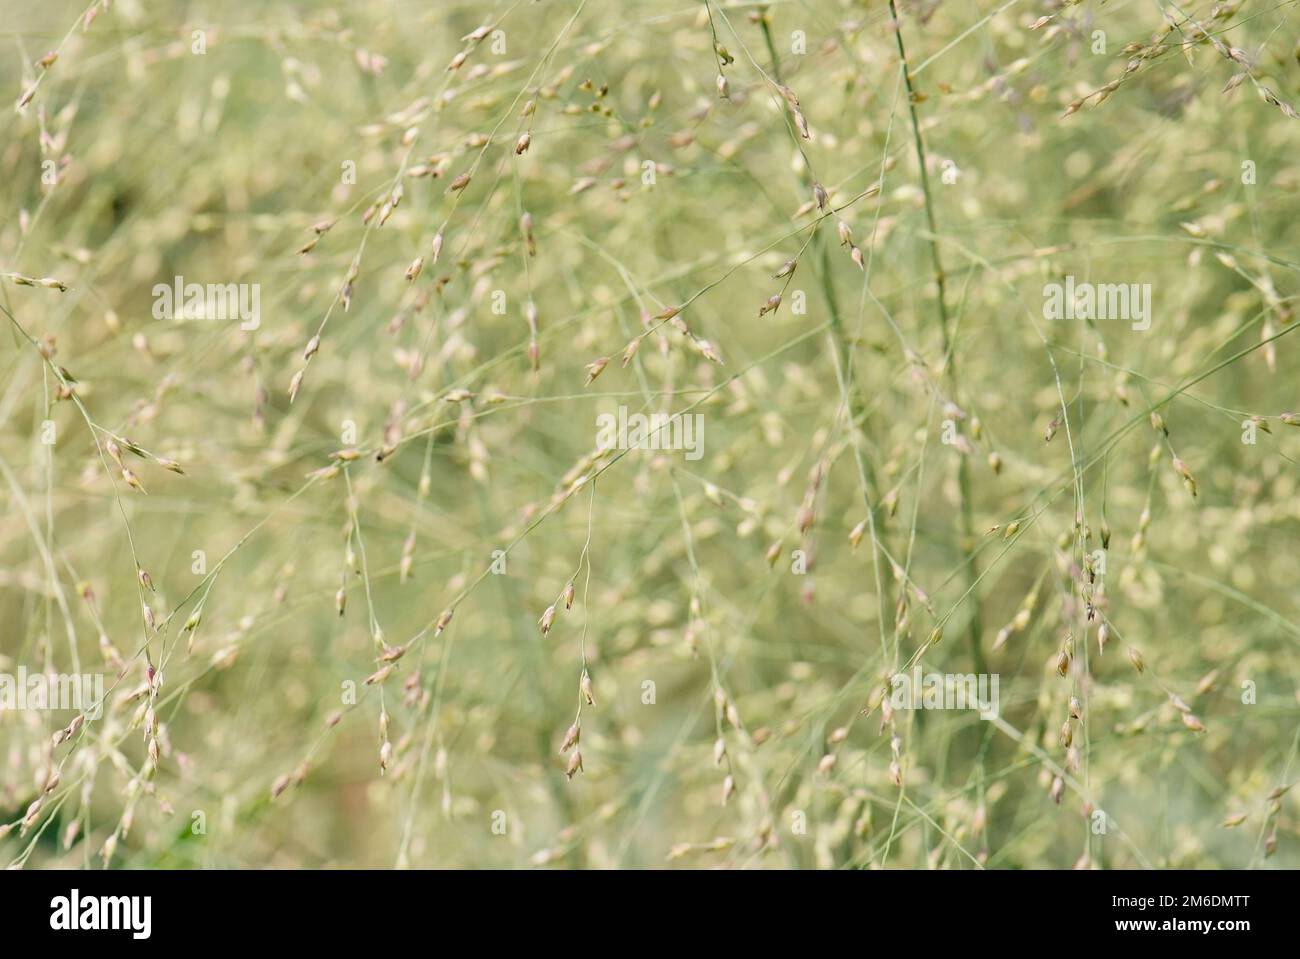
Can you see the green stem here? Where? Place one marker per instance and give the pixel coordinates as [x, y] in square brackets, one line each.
[950, 363]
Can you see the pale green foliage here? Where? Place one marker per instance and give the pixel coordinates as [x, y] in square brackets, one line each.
[860, 392]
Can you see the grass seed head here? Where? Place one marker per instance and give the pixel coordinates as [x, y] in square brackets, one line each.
[574, 765]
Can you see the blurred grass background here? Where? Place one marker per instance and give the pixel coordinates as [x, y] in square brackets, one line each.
[646, 190]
